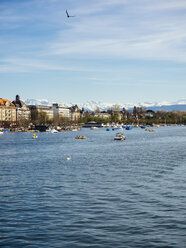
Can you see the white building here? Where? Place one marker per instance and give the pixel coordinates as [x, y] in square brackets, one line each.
[60, 111]
[102, 115]
[42, 108]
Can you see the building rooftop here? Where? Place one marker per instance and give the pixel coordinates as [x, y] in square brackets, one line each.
[18, 102]
[6, 103]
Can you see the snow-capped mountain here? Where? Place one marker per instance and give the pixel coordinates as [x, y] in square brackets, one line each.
[90, 105]
[37, 102]
[179, 105]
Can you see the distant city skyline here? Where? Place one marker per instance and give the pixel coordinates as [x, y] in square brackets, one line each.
[112, 50]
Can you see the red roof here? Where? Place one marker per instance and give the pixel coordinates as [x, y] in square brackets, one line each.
[3, 102]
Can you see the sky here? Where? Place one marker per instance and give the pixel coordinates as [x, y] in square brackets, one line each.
[116, 51]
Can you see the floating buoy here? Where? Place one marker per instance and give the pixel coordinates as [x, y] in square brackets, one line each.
[68, 158]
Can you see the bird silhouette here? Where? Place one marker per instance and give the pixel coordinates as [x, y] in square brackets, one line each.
[68, 14]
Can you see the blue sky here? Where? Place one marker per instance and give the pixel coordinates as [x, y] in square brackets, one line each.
[112, 50]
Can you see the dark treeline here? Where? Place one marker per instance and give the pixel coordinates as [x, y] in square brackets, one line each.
[160, 117]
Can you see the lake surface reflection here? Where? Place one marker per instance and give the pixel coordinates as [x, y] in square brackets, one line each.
[109, 194]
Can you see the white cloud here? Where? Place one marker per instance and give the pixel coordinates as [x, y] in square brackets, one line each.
[125, 35]
[29, 65]
[101, 29]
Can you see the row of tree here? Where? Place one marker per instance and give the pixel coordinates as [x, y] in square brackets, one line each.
[160, 117]
[138, 116]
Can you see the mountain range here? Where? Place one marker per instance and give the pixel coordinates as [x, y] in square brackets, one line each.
[179, 105]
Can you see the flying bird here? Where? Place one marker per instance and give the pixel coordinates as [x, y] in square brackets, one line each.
[68, 14]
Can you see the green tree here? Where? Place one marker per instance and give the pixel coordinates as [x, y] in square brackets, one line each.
[39, 117]
[34, 116]
[43, 118]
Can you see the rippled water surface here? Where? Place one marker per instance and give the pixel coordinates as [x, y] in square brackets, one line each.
[110, 193]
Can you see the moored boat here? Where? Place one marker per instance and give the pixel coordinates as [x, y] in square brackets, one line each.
[120, 136]
[128, 128]
[116, 128]
[149, 130]
[143, 127]
[54, 131]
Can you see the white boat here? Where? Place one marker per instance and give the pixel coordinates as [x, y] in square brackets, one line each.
[94, 128]
[1, 132]
[120, 136]
[54, 131]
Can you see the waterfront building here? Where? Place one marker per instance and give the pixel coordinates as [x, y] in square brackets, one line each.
[124, 114]
[75, 113]
[7, 111]
[103, 115]
[60, 111]
[22, 110]
[149, 114]
[43, 108]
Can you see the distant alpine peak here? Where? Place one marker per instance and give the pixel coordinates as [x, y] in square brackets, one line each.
[93, 105]
[37, 102]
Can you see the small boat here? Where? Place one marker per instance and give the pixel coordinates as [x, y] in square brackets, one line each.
[116, 128]
[30, 131]
[34, 136]
[108, 129]
[94, 128]
[149, 130]
[54, 131]
[1, 132]
[120, 136]
[143, 126]
[128, 128]
[80, 137]
[6, 131]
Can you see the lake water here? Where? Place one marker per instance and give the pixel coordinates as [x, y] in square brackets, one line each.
[110, 193]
